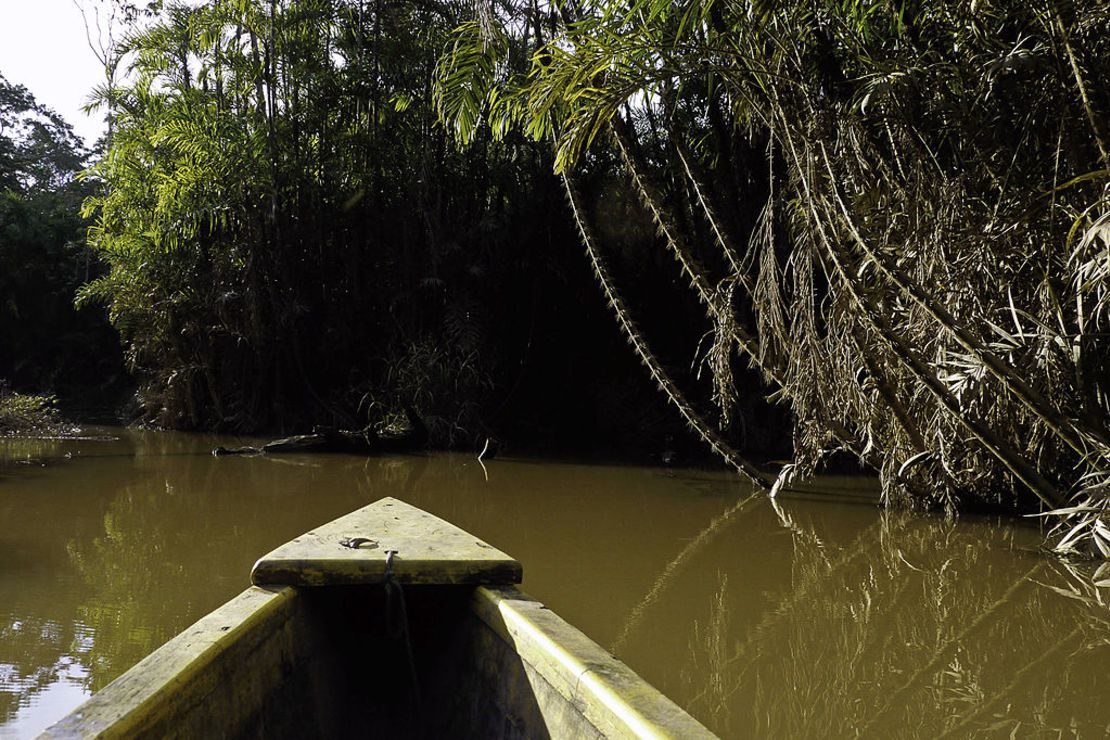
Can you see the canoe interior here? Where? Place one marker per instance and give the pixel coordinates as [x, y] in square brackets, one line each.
[285, 662]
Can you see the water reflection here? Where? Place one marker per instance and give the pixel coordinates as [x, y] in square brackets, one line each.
[914, 628]
[816, 616]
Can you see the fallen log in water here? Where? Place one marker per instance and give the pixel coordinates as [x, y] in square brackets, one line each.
[330, 439]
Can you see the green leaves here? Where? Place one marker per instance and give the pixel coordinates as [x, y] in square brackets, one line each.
[575, 84]
[41, 250]
[465, 78]
[277, 188]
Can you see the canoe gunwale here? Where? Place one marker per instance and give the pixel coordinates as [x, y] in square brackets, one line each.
[257, 638]
[609, 694]
[152, 689]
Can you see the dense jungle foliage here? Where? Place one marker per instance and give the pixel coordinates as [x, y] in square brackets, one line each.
[273, 189]
[294, 239]
[888, 218]
[897, 211]
[45, 344]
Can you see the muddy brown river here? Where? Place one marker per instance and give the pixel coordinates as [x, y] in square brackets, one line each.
[819, 616]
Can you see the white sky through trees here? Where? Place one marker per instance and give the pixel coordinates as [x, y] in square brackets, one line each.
[43, 47]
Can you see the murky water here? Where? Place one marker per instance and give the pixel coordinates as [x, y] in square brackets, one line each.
[823, 618]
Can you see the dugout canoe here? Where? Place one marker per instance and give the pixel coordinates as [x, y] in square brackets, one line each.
[387, 622]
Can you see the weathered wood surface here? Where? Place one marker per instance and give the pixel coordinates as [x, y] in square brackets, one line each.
[582, 690]
[428, 551]
[302, 663]
[297, 662]
[193, 669]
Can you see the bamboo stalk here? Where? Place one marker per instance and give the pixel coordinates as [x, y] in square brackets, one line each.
[701, 191]
[1084, 95]
[1011, 458]
[650, 361]
[889, 395]
[693, 269]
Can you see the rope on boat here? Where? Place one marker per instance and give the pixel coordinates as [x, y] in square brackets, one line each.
[396, 618]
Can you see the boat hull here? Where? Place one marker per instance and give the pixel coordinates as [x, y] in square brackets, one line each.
[277, 662]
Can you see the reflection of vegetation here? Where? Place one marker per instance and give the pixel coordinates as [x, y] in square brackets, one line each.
[928, 629]
[175, 546]
[14, 449]
[678, 563]
[144, 586]
[98, 571]
[120, 567]
[820, 619]
[38, 660]
[709, 664]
